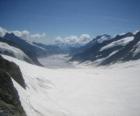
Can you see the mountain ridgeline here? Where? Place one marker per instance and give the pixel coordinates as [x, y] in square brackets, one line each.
[28, 48]
[17, 47]
[104, 49]
[101, 50]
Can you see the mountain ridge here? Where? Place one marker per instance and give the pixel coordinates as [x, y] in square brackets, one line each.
[121, 43]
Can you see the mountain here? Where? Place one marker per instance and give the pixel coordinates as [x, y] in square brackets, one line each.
[22, 49]
[10, 104]
[14, 52]
[104, 49]
[31, 50]
[76, 90]
[51, 49]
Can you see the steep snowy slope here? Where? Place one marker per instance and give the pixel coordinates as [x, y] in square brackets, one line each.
[122, 42]
[10, 104]
[13, 51]
[32, 50]
[86, 91]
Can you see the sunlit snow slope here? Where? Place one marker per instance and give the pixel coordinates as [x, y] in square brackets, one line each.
[86, 91]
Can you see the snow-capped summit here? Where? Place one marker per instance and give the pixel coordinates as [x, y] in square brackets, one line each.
[107, 49]
[102, 38]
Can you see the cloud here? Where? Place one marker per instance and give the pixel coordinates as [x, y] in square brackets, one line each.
[42, 37]
[85, 38]
[38, 36]
[71, 40]
[2, 31]
[29, 36]
[24, 34]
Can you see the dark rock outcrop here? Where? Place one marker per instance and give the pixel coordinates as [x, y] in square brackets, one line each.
[13, 70]
[10, 104]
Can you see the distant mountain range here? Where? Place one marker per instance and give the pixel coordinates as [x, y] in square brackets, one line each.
[105, 49]
[101, 50]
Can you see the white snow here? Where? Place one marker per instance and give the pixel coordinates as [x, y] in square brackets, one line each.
[112, 53]
[37, 46]
[137, 50]
[99, 61]
[135, 32]
[102, 39]
[121, 42]
[4, 47]
[86, 91]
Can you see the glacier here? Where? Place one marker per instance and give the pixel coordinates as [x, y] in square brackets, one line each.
[81, 91]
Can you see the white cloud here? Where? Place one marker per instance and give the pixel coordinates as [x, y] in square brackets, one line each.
[24, 34]
[40, 37]
[82, 39]
[58, 39]
[85, 38]
[29, 36]
[2, 31]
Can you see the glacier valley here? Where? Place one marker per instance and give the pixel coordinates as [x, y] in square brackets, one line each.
[79, 90]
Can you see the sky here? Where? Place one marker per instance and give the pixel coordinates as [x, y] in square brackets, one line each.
[70, 17]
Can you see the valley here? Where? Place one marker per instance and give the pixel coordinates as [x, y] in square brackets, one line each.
[98, 78]
[81, 91]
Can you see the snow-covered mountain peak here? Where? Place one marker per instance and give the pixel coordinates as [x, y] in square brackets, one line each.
[102, 38]
[135, 32]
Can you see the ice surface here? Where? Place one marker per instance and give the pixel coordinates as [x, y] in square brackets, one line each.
[56, 61]
[81, 91]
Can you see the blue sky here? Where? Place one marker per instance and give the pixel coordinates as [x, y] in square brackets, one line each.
[70, 17]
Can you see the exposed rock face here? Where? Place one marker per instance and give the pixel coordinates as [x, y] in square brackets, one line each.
[105, 50]
[9, 100]
[13, 70]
